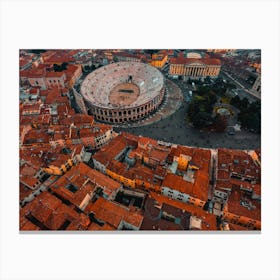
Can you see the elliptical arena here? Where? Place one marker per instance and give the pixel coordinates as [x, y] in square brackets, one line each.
[123, 92]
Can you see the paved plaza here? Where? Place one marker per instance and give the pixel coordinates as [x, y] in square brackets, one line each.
[170, 125]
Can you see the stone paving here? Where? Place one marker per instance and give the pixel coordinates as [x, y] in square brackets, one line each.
[174, 128]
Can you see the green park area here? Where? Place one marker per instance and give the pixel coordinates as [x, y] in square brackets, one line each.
[210, 108]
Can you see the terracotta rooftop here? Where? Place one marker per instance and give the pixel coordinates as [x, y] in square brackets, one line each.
[237, 227]
[36, 136]
[143, 172]
[176, 182]
[220, 184]
[238, 171]
[208, 220]
[94, 226]
[257, 189]
[54, 74]
[23, 191]
[131, 139]
[113, 213]
[33, 73]
[159, 154]
[107, 153]
[84, 181]
[28, 181]
[242, 205]
[201, 159]
[59, 56]
[223, 175]
[145, 141]
[52, 214]
[25, 224]
[121, 169]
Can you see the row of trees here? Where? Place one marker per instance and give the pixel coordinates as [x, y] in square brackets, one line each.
[89, 68]
[250, 113]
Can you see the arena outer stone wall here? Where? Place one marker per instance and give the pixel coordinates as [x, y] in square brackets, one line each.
[123, 92]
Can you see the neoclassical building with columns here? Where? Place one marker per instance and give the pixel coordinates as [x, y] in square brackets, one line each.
[194, 68]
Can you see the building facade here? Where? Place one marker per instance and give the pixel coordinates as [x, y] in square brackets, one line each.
[55, 79]
[194, 68]
[159, 60]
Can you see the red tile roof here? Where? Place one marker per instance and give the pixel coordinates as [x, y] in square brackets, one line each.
[94, 226]
[234, 206]
[52, 213]
[107, 153]
[237, 227]
[208, 220]
[86, 180]
[54, 74]
[33, 73]
[113, 213]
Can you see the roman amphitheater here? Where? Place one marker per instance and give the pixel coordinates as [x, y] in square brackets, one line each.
[123, 92]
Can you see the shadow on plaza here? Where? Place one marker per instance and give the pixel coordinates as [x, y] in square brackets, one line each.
[175, 129]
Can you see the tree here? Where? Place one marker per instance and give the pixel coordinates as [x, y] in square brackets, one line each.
[60, 68]
[86, 68]
[64, 66]
[231, 86]
[250, 120]
[55, 68]
[220, 123]
[202, 119]
[255, 106]
[244, 103]
[194, 108]
[235, 101]
[201, 107]
[207, 80]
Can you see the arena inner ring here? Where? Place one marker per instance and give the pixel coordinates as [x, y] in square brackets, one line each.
[123, 92]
